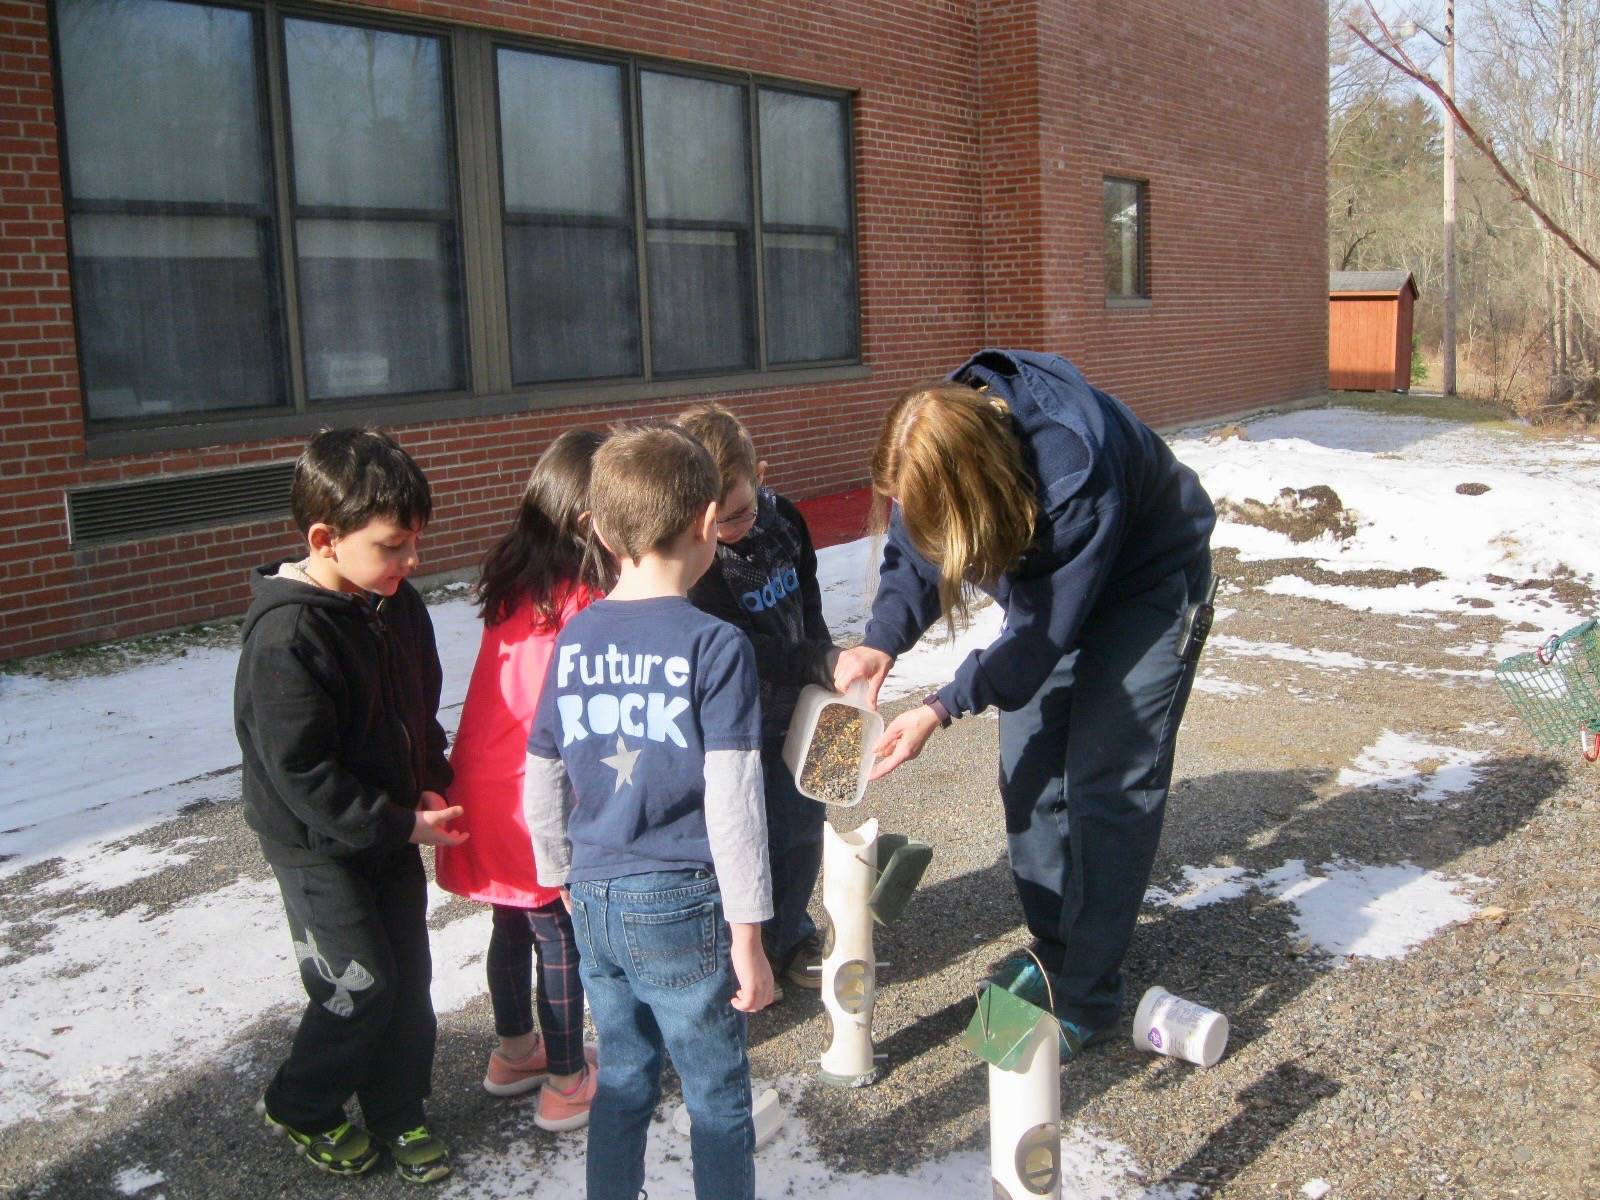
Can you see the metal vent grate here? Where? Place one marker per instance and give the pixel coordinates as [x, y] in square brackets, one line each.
[120, 512]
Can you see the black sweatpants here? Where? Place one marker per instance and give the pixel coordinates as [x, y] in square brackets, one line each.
[360, 932]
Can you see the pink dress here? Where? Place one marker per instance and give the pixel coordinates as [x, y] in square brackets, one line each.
[496, 863]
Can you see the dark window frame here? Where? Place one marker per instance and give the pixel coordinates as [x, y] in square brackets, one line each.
[851, 231]
[628, 82]
[471, 115]
[1142, 295]
[268, 219]
[281, 115]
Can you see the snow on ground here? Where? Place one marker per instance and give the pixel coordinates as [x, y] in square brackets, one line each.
[1092, 1168]
[1368, 912]
[1399, 477]
[1345, 910]
[1397, 762]
[137, 1180]
[89, 762]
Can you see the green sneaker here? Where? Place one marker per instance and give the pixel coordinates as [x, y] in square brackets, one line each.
[419, 1157]
[346, 1150]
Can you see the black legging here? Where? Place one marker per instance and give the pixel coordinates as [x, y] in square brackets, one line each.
[520, 936]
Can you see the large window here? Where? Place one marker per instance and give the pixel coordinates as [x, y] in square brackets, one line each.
[282, 212]
[374, 211]
[572, 273]
[1127, 251]
[173, 253]
[806, 228]
[697, 223]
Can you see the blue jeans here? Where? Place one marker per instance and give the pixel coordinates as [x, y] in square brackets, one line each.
[794, 850]
[1084, 771]
[654, 952]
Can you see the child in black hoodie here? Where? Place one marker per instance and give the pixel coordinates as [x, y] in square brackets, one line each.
[336, 707]
[763, 582]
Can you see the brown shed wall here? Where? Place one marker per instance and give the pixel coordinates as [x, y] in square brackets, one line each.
[1369, 341]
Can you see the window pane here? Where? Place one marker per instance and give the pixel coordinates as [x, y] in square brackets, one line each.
[563, 136]
[378, 307]
[696, 166]
[380, 294]
[804, 174]
[574, 302]
[700, 319]
[698, 224]
[810, 282]
[177, 305]
[808, 245]
[175, 314]
[1124, 221]
[161, 102]
[367, 117]
[571, 259]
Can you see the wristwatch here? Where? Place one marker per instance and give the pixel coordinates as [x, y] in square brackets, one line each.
[939, 710]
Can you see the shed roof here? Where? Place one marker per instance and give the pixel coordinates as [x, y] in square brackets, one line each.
[1389, 282]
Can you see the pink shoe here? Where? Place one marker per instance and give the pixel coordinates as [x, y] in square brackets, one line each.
[507, 1077]
[560, 1111]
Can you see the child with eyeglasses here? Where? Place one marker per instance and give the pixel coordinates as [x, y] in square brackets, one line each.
[763, 581]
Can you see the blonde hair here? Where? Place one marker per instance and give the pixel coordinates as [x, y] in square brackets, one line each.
[649, 484]
[725, 439]
[949, 456]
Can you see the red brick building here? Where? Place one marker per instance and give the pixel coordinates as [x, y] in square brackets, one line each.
[478, 222]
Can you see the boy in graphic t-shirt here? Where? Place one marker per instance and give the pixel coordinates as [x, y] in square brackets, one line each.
[643, 798]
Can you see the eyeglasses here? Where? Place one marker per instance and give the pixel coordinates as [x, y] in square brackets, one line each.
[743, 517]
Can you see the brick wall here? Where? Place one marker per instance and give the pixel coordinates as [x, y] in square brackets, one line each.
[1222, 108]
[982, 130]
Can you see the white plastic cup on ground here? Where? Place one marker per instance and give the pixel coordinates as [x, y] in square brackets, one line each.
[1170, 1025]
[765, 1113]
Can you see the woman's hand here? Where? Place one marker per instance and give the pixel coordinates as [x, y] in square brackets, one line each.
[865, 665]
[904, 739]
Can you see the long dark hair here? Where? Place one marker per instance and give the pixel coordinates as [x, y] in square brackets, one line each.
[548, 548]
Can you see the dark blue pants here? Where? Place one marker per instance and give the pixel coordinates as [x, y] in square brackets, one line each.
[1084, 771]
[794, 848]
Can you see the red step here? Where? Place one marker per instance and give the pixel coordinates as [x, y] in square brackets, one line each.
[840, 517]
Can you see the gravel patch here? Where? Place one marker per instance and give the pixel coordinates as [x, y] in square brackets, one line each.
[1469, 1067]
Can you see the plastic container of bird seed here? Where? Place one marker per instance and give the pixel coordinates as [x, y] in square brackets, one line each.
[829, 746]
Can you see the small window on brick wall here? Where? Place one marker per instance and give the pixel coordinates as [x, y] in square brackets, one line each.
[302, 210]
[1127, 239]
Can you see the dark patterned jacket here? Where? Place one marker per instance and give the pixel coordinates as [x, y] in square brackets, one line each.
[765, 585]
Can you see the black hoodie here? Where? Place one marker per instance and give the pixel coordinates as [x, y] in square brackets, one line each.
[336, 706]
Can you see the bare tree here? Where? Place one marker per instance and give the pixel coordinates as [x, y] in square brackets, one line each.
[1535, 121]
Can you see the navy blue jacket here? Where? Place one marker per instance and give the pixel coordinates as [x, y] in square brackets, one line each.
[1118, 513]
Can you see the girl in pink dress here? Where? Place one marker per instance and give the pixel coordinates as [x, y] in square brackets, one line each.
[534, 579]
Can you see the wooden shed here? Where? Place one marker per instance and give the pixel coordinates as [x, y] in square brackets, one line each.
[1369, 330]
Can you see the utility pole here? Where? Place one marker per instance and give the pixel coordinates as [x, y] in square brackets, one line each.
[1449, 349]
[1448, 43]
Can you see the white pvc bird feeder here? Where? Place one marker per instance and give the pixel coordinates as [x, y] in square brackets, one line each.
[849, 971]
[1021, 1044]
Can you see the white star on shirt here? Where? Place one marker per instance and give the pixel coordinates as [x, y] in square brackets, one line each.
[622, 762]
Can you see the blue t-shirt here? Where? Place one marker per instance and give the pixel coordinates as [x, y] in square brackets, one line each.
[638, 692]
